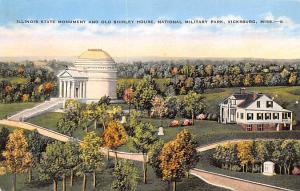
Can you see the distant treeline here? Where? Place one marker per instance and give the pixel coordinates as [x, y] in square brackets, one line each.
[25, 82]
[177, 78]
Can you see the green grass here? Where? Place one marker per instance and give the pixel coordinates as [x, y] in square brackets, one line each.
[12, 108]
[205, 132]
[105, 179]
[285, 181]
[49, 120]
[15, 80]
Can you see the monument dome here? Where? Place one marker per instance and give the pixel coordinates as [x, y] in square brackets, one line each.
[93, 76]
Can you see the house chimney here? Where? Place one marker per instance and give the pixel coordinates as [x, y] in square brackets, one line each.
[242, 90]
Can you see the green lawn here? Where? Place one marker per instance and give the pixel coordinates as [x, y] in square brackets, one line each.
[49, 120]
[105, 180]
[15, 80]
[205, 132]
[12, 108]
[286, 181]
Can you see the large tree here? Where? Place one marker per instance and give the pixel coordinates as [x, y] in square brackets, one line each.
[125, 176]
[244, 153]
[159, 108]
[16, 154]
[71, 151]
[114, 136]
[144, 93]
[177, 157]
[289, 153]
[145, 136]
[52, 164]
[193, 102]
[4, 132]
[36, 145]
[91, 157]
[128, 97]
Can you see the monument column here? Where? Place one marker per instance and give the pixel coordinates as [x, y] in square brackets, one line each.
[66, 89]
[84, 90]
[80, 90]
[72, 89]
[69, 90]
[60, 88]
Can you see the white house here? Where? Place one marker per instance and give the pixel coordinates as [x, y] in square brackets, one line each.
[255, 112]
[93, 76]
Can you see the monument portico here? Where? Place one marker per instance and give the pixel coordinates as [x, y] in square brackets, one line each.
[93, 76]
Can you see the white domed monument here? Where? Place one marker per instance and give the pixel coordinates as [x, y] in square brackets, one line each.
[93, 76]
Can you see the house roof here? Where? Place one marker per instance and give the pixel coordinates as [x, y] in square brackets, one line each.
[249, 99]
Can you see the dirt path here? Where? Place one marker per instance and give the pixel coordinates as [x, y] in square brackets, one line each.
[232, 183]
[220, 180]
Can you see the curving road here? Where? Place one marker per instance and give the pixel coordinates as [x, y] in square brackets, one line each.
[220, 180]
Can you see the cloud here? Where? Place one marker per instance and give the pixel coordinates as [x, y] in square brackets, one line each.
[186, 40]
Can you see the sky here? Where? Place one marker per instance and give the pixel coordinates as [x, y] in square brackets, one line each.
[275, 40]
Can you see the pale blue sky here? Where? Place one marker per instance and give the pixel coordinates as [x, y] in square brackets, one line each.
[10, 10]
[230, 40]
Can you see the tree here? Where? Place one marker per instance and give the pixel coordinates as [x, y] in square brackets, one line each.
[247, 80]
[101, 115]
[177, 157]
[288, 151]
[278, 154]
[114, 112]
[91, 157]
[208, 70]
[153, 154]
[293, 78]
[159, 108]
[171, 104]
[114, 136]
[244, 153]
[66, 126]
[258, 80]
[86, 115]
[133, 120]
[16, 154]
[145, 91]
[125, 176]
[233, 158]
[260, 149]
[36, 145]
[3, 139]
[71, 120]
[128, 97]
[145, 135]
[52, 164]
[192, 102]
[71, 151]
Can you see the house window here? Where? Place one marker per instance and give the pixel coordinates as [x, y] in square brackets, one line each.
[275, 115]
[249, 127]
[260, 127]
[258, 104]
[249, 116]
[237, 115]
[260, 116]
[269, 104]
[233, 102]
[267, 116]
[242, 115]
[286, 115]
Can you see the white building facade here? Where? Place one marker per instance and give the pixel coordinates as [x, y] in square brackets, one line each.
[255, 112]
[93, 76]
